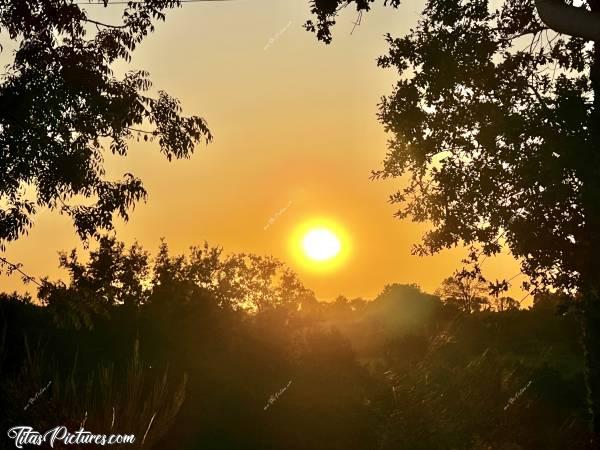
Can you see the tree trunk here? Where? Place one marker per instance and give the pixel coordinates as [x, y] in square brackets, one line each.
[590, 276]
[591, 342]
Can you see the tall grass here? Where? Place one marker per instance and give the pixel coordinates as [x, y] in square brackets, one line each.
[133, 400]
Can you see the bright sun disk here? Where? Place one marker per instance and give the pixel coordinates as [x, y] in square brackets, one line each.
[320, 244]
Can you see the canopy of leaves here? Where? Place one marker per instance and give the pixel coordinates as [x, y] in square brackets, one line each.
[62, 109]
[116, 275]
[326, 12]
[491, 118]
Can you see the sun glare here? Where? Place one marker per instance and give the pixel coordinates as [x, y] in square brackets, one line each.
[319, 245]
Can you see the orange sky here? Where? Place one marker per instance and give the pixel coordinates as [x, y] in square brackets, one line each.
[294, 124]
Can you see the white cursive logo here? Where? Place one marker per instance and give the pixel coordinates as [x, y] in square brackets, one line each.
[36, 396]
[273, 398]
[23, 435]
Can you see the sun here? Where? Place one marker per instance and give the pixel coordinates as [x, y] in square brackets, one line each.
[321, 244]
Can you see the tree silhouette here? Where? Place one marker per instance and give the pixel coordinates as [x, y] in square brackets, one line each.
[326, 12]
[467, 294]
[497, 121]
[62, 109]
[116, 275]
[570, 19]
[400, 371]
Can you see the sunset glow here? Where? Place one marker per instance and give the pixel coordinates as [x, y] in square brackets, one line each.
[320, 244]
[235, 192]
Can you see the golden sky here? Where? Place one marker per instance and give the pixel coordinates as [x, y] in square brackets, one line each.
[295, 128]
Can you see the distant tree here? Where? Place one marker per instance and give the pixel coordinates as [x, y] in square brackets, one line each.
[116, 275]
[112, 275]
[344, 303]
[551, 302]
[402, 307]
[496, 121]
[505, 303]
[292, 291]
[468, 295]
[62, 109]
[239, 281]
[499, 301]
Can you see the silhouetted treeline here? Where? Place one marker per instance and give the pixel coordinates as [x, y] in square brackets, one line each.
[207, 351]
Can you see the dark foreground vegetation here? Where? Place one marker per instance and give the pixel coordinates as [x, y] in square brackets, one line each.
[210, 351]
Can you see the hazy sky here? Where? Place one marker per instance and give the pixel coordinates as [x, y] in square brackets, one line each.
[295, 127]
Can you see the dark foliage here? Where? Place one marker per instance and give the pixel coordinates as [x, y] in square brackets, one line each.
[62, 109]
[281, 370]
[495, 119]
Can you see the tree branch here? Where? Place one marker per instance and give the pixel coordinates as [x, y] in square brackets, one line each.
[570, 20]
[95, 22]
[12, 267]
